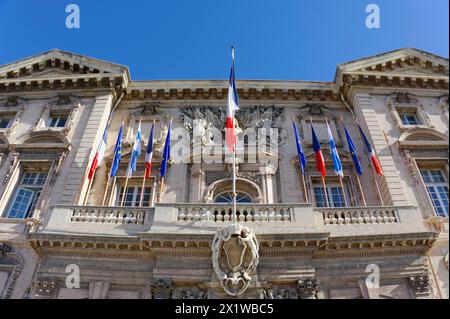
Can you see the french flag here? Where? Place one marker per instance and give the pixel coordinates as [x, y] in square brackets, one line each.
[149, 155]
[232, 106]
[320, 162]
[98, 158]
[371, 152]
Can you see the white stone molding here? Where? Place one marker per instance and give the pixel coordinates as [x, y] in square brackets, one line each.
[399, 101]
[14, 106]
[235, 256]
[66, 103]
[12, 167]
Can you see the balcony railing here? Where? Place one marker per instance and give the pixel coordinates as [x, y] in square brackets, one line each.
[359, 215]
[109, 215]
[244, 212]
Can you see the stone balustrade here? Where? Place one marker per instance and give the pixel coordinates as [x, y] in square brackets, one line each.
[244, 212]
[109, 215]
[359, 215]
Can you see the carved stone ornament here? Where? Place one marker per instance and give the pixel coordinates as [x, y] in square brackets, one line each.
[307, 288]
[45, 288]
[190, 293]
[419, 284]
[235, 256]
[161, 289]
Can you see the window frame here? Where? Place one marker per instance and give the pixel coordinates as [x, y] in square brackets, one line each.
[435, 185]
[119, 183]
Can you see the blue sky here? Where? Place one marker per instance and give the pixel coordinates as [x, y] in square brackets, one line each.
[180, 39]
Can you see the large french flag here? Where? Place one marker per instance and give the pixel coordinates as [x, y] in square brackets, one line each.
[320, 162]
[232, 106]
[371, 152]
[337, 164]
[99, 155]
[149, 155]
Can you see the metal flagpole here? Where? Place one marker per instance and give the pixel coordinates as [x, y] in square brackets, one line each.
[129, 169]
[124, 191]
[361, 189]
[368, 163]
[234, 183]
[145, 171]
[365, 151]
[325, 190]
[343, 191]
[109, 177]
[304, 187]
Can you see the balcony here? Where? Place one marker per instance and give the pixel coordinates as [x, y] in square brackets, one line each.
[175, 219]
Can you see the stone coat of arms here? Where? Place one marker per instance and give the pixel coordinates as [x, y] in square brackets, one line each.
[235, 257]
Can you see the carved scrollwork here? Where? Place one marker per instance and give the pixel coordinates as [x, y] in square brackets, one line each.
[308, 288]
[14, 161]
[161, 289]
[190, 293]
[45, 288]
[419, 284]
[235, 256]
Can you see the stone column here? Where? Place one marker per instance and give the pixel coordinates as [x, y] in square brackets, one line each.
[307, 288]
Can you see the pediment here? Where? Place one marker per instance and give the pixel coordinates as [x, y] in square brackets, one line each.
[58, 63]
[407, 61]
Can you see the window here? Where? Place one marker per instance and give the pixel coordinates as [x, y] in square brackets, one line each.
[4, 122]
[56, 121]
[133, 196]
[227, 197]
[27, 195]
[409, 118]
[437, 188]
[335, 196]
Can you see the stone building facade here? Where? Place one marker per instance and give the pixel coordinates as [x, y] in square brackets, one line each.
[175, 243]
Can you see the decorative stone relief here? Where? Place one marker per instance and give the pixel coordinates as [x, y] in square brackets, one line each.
[14, 160]
[410, 164]
[161, 289]
[446, 261]
[444, 105]
[419, 284]
[212, 176]
[190, 293]
[235, 256]
[45, 288]
[308, 288]
[4, 249]
[280, 292]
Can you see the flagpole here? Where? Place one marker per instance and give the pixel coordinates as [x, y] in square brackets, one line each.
[325, 190]
[304, 188]
[234, 184]
[145, 172]
[129, 170]
[88, 191]
[370, 165]
[301, 165]
[161, 182]
[343, 191]
[365, 151]
[109, 175]
[361, 189]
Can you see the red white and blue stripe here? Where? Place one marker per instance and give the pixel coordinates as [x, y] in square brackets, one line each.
[337, 164]
[232, 106]
[99, 155]
[320, 162]
[371, 152]
[149, 155]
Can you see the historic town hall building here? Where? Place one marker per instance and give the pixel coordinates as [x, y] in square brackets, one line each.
[65, 236]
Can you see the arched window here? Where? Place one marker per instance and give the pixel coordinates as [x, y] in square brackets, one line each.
[227, 197]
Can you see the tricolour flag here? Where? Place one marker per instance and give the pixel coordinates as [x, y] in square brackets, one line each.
[117, 153]
[371, 153]
[352, 149]
[232, 106]
[135, 152]
[337, 164]
[301, 155]
[320, 162]
[149, 155]
[99, 155]
[166, 155]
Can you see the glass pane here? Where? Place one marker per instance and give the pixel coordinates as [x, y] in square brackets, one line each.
[21, 203]
[320, 197]
[61, 122]
[4, 123]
